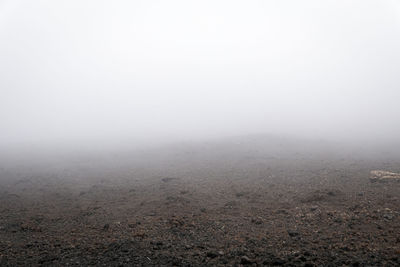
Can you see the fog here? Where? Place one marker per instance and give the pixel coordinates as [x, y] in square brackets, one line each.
[199, 133]
[134, 72]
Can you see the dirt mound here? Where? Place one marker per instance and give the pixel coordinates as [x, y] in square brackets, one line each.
[321, 195]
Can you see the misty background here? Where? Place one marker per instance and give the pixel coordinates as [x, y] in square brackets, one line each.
[118, 72]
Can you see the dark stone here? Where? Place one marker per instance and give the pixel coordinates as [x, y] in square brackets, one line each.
[293, 233]
[245, 260]
[212, 254]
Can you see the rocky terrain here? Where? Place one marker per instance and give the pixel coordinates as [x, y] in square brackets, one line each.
[238, 202]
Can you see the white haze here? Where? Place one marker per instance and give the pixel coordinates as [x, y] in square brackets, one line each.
[105, 71]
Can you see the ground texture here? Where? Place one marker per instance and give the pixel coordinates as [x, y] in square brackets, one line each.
[236, 203]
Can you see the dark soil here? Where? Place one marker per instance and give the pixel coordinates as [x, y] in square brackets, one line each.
[213, 204]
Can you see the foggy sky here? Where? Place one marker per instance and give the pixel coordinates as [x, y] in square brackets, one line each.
[172, 70]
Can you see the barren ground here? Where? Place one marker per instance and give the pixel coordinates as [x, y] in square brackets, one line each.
[238, 202]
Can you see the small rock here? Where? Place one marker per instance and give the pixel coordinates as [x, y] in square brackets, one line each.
[338, 220]
[277, 262]
[245, 260]
[388, 216]
[293, 233]
[212, 254]
[256, 221]
[106, 227]
[302, 258]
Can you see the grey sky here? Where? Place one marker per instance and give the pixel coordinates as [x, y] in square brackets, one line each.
[103, 70]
